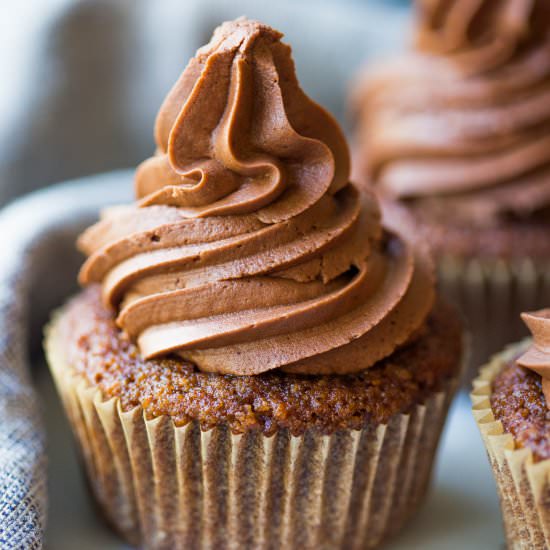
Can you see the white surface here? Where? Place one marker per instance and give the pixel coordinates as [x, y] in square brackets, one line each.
[461, 512]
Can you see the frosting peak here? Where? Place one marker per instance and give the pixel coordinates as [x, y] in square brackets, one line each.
[537, 357]
[236, 134]
[248, 249]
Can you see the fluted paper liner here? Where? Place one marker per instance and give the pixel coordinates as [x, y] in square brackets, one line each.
[179, 487]
[523, 484]
[491, 294]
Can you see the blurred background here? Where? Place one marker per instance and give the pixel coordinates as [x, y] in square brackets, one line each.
[83, 79]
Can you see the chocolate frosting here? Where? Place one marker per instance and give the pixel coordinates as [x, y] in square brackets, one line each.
[248, 248]
[537, 357]
[462, 124]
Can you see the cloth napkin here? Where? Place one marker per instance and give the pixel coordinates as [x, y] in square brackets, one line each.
[38, 266]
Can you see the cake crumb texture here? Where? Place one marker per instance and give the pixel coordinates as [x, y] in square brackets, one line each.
[518, 402]
[97, 350]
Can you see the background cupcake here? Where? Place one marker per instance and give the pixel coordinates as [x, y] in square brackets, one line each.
[459, 131]
[257, 362]
[511, 400]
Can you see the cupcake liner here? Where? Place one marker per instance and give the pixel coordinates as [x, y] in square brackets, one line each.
[180, 487]
[523, 485]
[491, 294]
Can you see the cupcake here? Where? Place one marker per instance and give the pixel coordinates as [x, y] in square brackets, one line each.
[255, 362]
[511, 400]
[458, 131]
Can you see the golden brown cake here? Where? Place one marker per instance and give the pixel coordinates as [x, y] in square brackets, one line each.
[256, 362]
[511, 400]
[458, 131]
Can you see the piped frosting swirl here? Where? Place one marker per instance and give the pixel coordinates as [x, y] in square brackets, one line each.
[248, 249]
[537, 357]
[462, 124]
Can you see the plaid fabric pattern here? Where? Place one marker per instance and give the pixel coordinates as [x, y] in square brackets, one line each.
[38, 265]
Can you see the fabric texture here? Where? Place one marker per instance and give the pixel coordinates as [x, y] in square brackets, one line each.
[37, 271]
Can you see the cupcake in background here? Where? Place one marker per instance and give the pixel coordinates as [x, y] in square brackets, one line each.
[511, 401]
[256, 362]
[458, 131]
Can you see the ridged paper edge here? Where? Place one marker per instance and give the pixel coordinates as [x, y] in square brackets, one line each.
[185, 488]
[523, 485]
[491, 293]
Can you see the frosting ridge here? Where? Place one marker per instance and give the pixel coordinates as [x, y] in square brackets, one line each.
[537, 357]
[478, 35]
[248, 249]
[247, 139]
[463, 122]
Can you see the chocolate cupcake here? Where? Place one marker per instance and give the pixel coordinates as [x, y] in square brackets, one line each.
[511, 400]
[256, 361]
[458, 130]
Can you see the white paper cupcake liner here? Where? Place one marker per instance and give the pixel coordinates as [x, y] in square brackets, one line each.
[523, 484]
[491, 294]
[171, 487]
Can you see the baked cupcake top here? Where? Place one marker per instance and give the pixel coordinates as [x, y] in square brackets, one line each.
[462, 124]
[537, 357]
[100, 354]
[248, 249]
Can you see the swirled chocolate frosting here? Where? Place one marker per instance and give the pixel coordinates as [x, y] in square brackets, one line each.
[537, 357]
[460, 127]
[248, 249]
